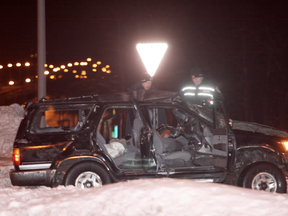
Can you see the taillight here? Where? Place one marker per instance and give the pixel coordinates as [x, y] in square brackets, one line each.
[16, 156]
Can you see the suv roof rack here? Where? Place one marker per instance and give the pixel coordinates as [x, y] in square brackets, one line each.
[78, 98]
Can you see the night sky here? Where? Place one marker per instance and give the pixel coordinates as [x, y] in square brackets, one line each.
[240, 45]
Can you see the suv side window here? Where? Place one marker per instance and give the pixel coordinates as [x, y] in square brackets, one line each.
[114, 134]
[51, 119]
[116, 123]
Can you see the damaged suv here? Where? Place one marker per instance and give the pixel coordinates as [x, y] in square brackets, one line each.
[94, 140]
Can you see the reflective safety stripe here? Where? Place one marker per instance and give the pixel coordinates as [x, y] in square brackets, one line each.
[205, 94]
[207, 88]
[189, 94]
[188, 88]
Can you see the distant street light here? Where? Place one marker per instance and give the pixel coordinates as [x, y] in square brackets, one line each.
[151, 55]
[83, 63]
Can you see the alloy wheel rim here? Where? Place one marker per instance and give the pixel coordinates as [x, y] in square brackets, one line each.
[264, 181]
[87, 180]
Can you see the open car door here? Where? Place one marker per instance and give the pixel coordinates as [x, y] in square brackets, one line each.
[145, 135]
[215, 140]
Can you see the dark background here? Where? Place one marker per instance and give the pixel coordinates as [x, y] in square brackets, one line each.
[241, 46]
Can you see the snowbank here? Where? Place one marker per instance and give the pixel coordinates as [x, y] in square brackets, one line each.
[10, 118]
[145, 197]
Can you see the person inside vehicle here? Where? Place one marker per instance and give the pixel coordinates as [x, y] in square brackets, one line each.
[200, 91]
[145, 83]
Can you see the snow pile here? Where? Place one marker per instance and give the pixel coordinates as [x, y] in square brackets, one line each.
[6, 165]
[10, 118]
[157, 197]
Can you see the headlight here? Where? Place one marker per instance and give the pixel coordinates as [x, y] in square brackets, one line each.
[285, 145]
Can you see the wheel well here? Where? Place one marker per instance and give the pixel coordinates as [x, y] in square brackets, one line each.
[244, 171]
[83, 162]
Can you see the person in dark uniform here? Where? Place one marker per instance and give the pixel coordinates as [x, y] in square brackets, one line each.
[145, 83]
[200, 90]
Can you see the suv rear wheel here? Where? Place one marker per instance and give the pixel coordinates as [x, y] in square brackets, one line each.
[86, 175]
[265, 177]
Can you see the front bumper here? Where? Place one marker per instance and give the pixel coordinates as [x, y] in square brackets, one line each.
[32, 178]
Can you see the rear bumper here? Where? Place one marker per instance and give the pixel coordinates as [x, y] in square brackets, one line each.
[32, 178]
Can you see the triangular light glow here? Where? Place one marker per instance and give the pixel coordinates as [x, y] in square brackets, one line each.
[151, 55]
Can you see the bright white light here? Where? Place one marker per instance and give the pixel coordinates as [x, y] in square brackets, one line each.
[188, 88]
[151, 55]
[27, 80]
[206, 88]
[189, 94]
[206, 94]
[11, 82]
[83, 63]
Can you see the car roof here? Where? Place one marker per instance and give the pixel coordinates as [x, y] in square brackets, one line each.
[141, 96]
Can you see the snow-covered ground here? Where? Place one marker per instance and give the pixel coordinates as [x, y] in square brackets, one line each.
[143, 197]
[139, 197]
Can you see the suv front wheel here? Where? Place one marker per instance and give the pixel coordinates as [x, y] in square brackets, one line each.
[265, 177]
[86, 175]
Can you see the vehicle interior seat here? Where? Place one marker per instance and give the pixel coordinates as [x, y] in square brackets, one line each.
[129, 153]
[207, 141]
[161, 146]
[136, 131]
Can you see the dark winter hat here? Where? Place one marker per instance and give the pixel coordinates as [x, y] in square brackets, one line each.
[145, 77]
[196, 72]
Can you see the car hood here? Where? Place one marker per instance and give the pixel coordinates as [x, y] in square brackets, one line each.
[257, 128]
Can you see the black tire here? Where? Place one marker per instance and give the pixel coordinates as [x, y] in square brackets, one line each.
[265, 177]
[88, 174]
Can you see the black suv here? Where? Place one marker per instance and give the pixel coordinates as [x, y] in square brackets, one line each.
[93, 140]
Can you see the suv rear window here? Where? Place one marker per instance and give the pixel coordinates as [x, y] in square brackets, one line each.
[57, 120]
